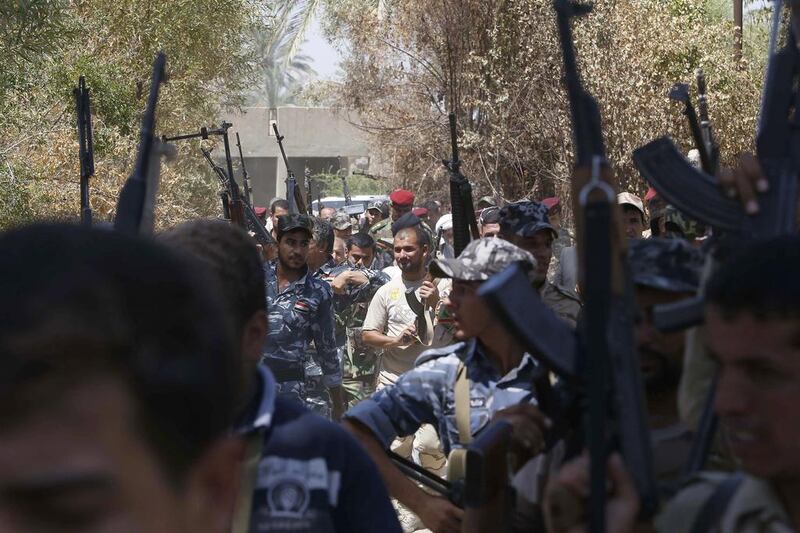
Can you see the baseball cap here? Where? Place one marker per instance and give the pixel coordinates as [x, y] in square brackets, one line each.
[524, 219]
[341, 220]
[380, 205]
[480, 260]
[287, 223]
[488, 200]
[444, 223]
[402, 198]
[671, 265]
[627, 198]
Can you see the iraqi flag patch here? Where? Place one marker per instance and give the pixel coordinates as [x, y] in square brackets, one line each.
[302, 306]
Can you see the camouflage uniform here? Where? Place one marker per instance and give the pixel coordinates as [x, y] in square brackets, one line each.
[299, 314]
[317, 397]
[382, 230]
[564, 240]
[425, 394]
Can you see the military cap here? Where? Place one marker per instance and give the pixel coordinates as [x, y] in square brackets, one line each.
[402, 198]
[420, 211]
[381, 206]
[488, 201]
[524, 219]
[481, 259]
[341, 220]
[260, 211]
[665, 264]
[627, 198]
[293, 221]
[406, 221]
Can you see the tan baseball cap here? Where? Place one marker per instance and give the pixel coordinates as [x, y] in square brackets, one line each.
[627, 198]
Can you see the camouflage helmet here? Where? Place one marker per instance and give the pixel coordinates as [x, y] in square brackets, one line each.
[524, 219]
[665, 264]
[481, 259]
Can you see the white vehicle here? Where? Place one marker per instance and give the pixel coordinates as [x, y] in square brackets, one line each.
[357, 206]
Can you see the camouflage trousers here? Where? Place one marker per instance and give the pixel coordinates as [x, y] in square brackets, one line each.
[359, 364]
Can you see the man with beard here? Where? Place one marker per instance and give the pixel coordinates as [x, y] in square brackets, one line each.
[664, 271]
[526, 225]
[498, 373]
[752, 320]
[391, 325]
[300, 308]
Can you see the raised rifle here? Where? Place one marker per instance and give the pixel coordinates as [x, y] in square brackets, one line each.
[248, 190]
[83, 110]
[712, 149]
[293, 194]
[308, 181]
[136, 204]
[680, 93]
[698, 194]
[465, 226]
[599, 361]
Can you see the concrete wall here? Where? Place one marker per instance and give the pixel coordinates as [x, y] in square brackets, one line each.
[321, 139]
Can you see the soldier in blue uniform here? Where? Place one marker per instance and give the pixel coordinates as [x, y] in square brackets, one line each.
[301, 473]
[499, 372]
[300, 308]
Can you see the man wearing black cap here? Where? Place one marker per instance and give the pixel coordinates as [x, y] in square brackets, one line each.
[526, 225]
[300, 308]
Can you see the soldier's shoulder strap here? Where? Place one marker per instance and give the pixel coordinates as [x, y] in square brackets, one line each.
[437, 353]
[564, 291]
[714, 507]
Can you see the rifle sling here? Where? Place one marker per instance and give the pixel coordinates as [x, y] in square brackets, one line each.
[461, 390]
[457, 460]
[710, 514]
[249, 474]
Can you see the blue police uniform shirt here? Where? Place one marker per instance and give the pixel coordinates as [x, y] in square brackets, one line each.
[312, 474]
[300, 313]
[425, 394]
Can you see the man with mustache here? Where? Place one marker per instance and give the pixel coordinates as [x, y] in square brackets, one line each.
[664, 271]
[300, 308]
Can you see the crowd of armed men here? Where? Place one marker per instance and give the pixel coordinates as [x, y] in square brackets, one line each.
[454, 369]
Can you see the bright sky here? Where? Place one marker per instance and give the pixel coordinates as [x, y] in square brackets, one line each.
[325, 57]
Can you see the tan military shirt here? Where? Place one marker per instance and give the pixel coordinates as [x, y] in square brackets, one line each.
[754, 508]
[563, 302]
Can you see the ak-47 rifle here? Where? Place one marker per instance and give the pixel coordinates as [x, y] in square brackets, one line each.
[86, 148]
[248, 190]
[293, 195]
[465, 226]
[137, 198]
[235, 202]
[251, 221]
[599, 362]
[680, 93]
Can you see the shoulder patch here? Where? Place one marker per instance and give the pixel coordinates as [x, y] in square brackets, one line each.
[437, 353]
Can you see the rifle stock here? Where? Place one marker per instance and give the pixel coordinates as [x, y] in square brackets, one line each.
[487, 500]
